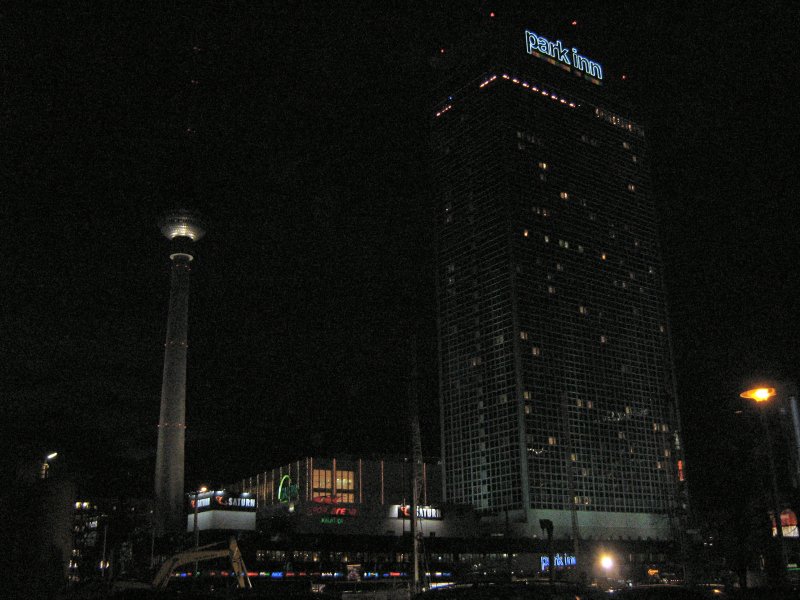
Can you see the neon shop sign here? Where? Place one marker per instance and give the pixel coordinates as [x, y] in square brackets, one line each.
[287, 491]
[539, 46]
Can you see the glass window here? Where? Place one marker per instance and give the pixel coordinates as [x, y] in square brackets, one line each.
[345, 486]
[322, 483]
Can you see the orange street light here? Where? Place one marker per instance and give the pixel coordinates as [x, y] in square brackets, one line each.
[760, 394]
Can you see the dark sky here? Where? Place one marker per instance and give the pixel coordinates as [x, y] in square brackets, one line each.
[308, 158]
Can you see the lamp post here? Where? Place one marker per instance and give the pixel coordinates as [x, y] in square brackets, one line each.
[46, 464]
[202, 490]
[762, 395]
[606, 562]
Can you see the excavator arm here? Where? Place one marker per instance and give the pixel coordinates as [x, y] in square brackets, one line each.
[202, 554]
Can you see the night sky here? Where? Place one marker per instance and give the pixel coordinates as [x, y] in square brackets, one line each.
[308, 157]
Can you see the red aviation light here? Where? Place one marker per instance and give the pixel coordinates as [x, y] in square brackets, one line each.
[574, 23]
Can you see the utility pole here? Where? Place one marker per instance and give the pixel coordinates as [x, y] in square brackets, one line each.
[547, 527]
[416, 465]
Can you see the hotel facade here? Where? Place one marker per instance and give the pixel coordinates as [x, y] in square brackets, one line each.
[557, 393]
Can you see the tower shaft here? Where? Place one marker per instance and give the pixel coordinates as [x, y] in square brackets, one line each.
[169, 483]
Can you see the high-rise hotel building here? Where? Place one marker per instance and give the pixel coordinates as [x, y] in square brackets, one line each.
[557, 391]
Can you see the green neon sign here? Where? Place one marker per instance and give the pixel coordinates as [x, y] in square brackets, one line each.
[287, 491]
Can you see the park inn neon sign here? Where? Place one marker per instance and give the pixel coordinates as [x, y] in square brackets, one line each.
[539, 45]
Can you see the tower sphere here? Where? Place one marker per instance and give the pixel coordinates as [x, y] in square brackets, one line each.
[182, 223]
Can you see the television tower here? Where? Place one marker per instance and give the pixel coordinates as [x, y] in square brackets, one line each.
[182, 229]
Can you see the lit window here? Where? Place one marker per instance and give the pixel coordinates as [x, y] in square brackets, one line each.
[603, 256]
[626, 145]
[523, 335]
[559, 267]
[528, 409]
[573, 457]
[583, 310]
[526, 395]
[345, 486]
[474, 361]
[551, 440]
[634, 159]
[498, 339]
[551, 289]
[631, 187]
[621, 435]
[536, 351]
[666, 452]
[589, 404]
[543, 166]
[580, 403]
[525, 233]
[603, 339]
[322, 483]
[547, 239]
[564, 196]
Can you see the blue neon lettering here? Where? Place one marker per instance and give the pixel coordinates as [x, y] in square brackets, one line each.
[536, 43]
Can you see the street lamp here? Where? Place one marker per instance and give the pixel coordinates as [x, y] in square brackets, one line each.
[46, 464]
[202, 490]
[761, 395]
[607, 563]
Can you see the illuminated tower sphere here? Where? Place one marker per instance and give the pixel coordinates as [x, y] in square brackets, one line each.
[182, 229]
